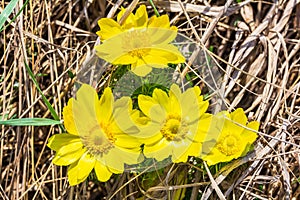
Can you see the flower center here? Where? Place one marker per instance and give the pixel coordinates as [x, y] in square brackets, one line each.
[100, 140]
[136, 42]
[174, 128]
[228, 145]
[138, 52]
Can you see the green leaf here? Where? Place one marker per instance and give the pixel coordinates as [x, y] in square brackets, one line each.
[70, 74]
[30, 122]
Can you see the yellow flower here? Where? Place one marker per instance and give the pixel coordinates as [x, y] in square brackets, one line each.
[232, 140]
[178, 123]
[99, 136]
[140, 42]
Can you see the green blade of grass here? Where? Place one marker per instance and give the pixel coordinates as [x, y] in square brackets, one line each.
[29, 122]
[7, 11]
[154, 8]
[49, 106]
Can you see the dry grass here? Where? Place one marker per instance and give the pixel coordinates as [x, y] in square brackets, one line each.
[256, 44]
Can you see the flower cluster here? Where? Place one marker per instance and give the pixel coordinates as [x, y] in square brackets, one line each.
[107, 134]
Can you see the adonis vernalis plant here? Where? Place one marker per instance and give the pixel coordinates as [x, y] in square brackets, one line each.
[177, 123]
[233, 134]
[140, 42]
[96, 137]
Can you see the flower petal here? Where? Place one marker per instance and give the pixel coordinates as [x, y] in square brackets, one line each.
[102, 172]
[146, 103]
[239, 118]
[109, 28]
[159, 22]
[122, 119]
[124, 59]
[174, 97]
[85, 109]
[68, 116]
[159, 36]
[117, 157]
[129, 21]
[69, 148]
[161, 98]
[216, 157]
[57, 141]
[140, 68]
[184, 149]
[113, 50]
[199, 129]
[128, 142]
[68, 154]
[105, 108]
[159, 151]
[190, 105]
[151, 60]
[251, 135]
[141, 16]
[168, 51]
[150, 133]
[78, 172]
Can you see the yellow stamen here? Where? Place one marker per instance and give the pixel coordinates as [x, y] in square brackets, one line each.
[97, 143]
[174, 128]
[228, 145]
